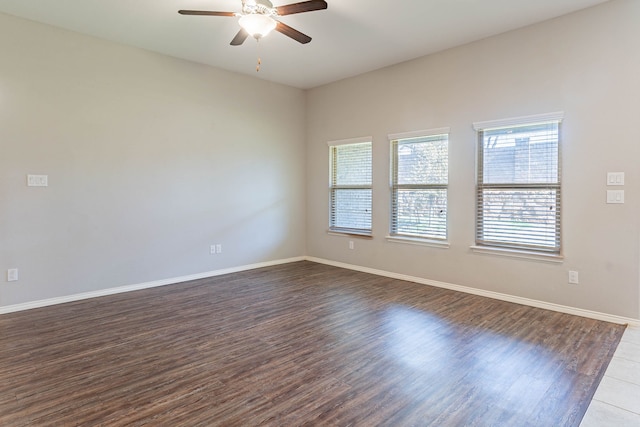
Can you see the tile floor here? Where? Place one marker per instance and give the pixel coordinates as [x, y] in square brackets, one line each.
[617, 399]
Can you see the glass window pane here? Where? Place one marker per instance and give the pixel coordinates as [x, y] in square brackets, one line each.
[526, 217]
[352, 164]
[351, 208]
[423, 161]
[421, 213]
[523, 154]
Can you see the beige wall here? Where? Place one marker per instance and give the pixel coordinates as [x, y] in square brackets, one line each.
[150, 160]
[586, 64]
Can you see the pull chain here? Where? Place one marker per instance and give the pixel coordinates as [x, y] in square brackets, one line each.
[258, 54]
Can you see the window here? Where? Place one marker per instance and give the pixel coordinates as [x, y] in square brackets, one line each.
[419, 178]
[350, 186]
[518, 188]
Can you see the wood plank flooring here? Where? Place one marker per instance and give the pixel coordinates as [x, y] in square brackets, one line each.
[299, 344]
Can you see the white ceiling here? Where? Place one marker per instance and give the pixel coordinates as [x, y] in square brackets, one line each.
[349, 38]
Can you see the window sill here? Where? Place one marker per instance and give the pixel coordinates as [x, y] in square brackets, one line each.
[442, 244]
[514, 253]
[350, 234]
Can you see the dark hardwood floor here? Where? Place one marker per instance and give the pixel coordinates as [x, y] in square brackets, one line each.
[299, 344]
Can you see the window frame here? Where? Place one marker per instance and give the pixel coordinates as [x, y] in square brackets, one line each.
[394, 234]
[334, 187]
[520, 250]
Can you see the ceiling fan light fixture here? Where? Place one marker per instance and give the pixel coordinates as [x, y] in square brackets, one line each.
[257, 25]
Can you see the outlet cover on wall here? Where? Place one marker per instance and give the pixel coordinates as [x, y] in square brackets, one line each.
[573, 277]
[12, 275]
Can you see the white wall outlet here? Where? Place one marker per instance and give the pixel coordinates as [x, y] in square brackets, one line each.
[351, 246]
[218, 248]
[12, 275]
[212, 249]
[37, 180]
[573, 277]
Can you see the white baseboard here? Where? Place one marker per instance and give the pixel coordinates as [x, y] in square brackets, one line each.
[139, 286]
[489, 294]
[170, 281]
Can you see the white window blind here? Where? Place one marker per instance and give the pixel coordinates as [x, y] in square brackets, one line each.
[519, 189]
[419, 180]
[351, 187]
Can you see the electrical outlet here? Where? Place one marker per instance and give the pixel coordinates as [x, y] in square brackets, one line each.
[219, 248]
[212, 249]
[12, 275]
[573, 277]
[351, 244]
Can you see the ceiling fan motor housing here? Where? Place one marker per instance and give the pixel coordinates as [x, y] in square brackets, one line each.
[262, 7]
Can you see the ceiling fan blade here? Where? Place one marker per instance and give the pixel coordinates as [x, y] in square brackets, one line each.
[240, 37]
[305, 6]
[205, 12]
[294, 34]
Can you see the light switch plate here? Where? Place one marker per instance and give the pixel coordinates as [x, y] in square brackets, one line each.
[615, 178]
[615, 196]
[38, 180]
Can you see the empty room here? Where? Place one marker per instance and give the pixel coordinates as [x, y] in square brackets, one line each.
[322, 213]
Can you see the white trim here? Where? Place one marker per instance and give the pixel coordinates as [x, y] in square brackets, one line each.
[489, 294]
[419, 133]
[359, 140]
[514, 121]
[363, 234]
[442, 244]
[520, 254]
[136, 287]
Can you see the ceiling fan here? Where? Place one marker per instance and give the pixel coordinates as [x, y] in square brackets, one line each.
[258, 18]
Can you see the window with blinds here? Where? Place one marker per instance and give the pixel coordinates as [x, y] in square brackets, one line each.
[519, 192]
[419, 180]
[350, 186]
